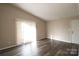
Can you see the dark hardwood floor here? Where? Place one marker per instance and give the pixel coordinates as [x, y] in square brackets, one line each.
[45, 47]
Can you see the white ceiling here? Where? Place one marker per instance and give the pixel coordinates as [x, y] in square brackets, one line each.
[50, 11]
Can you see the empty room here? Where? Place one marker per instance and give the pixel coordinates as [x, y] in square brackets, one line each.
[39, 29]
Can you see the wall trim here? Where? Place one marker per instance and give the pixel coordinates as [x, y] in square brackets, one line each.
[9, 47]
[13, 46]
[64, 41]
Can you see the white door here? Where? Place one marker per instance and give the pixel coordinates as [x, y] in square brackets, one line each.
[75, 31]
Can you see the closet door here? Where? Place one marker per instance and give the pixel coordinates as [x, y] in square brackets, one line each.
[75, 31]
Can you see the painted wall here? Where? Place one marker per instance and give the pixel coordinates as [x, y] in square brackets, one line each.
[78, 8]
[8, 16]
[60, 29]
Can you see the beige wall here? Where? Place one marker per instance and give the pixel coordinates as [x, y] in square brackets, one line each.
[60, 29]
[8, 16]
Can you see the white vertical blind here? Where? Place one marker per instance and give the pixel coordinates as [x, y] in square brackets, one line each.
[26, 31]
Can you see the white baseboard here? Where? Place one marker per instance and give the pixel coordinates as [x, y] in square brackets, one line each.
[9, 46]
[65, 41]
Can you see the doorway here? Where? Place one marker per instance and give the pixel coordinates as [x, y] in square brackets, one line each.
[26, 31]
